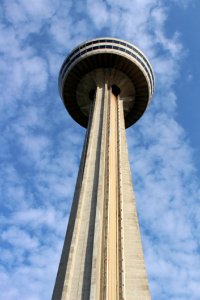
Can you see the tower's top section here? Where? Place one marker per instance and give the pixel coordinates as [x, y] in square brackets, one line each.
[120, 63]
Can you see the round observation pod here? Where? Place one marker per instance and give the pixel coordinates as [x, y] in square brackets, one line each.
[128, 69]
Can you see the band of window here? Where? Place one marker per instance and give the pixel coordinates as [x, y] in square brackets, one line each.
[71, 58]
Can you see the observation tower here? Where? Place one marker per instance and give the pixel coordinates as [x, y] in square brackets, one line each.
[106, 85]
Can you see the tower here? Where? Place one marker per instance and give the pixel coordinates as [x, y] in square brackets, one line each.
[106, 85]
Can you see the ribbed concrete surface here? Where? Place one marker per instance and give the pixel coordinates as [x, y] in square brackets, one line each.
[102, 256]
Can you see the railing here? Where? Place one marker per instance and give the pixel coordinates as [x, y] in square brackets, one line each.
[88, 47]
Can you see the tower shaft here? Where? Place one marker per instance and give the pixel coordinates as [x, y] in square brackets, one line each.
[102, 257]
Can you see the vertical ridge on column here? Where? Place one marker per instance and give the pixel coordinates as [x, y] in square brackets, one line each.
[61, 274]
[98, 251]
[96, 283]
[90, 264]
[78, 270]
[120, 204]
[104, 256]
[112, 242]
[136, 283]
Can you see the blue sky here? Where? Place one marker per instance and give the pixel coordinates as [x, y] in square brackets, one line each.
[41, 144]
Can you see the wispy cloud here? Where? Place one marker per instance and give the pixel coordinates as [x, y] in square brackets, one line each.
[41, 145]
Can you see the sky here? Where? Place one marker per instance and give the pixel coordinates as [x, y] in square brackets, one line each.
[40, 145]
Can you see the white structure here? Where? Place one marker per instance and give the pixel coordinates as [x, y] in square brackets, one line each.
[106, 85]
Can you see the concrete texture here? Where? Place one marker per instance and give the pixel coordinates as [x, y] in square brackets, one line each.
[102, 257]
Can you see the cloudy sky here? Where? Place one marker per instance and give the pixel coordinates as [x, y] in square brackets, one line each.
[40, 144]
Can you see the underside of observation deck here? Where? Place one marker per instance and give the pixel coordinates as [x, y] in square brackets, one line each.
[117, 57]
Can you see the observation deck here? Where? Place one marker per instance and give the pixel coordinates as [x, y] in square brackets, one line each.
[128, 69]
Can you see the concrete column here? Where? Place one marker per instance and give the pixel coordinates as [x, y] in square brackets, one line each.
[102, 255]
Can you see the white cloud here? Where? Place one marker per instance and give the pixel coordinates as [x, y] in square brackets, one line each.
[19, 238]
[31, 15]
[98, 12]
[37, 176]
